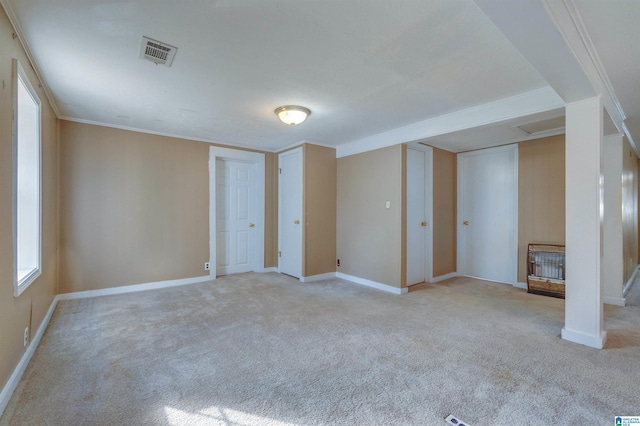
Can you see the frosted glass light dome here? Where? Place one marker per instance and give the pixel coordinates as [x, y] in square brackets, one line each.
[292, 114]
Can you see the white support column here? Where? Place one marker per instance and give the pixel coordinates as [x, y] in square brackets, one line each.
[612, 242]
[584, 223]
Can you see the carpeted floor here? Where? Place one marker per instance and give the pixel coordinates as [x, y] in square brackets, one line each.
[254, 349]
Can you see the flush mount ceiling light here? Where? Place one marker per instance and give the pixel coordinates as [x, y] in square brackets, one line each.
[292, 114]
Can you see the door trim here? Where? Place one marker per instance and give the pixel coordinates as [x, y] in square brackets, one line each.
[256, 158]
[460, 207]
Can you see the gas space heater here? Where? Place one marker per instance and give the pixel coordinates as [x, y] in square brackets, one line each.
[546, 269]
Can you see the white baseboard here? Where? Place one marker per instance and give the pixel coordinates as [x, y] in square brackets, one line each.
[631, 280]
[133, 288]
[13, 381]
[271, 269]
[380, 286]
[444, 277]
[584, 339]
[318, 277]
[617, 301]
[518, 284]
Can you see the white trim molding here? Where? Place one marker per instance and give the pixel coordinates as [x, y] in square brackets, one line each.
[213, 142]
[13, 381]
[319, 277]
[584, 339]
[523, 286]
[133, 288]
[631, 280]
[258, 159]
[373, 284]
[445, 277]
[25, 244]
[300, 144]
[616, 301]
[15, 22]
[567, 18]
[532, 102]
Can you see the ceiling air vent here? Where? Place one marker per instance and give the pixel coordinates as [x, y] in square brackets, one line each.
[157, 51]
[543, 126]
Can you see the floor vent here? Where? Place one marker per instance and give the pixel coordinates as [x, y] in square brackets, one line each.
[453, 420]
[157, 51]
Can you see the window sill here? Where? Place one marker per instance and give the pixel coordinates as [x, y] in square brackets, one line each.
[25, 278]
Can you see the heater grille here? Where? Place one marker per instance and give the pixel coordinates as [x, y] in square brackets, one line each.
[546, 269]
[157, 51]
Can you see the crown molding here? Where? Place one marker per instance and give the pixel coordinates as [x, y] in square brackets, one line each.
[168, 135]
[13, 19]
[569, 22]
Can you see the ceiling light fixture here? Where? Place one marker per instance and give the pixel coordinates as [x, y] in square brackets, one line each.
[292, 114]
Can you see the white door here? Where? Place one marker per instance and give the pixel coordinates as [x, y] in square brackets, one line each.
[418, 171]
[235, 213]
[290, 218]
[487, 214]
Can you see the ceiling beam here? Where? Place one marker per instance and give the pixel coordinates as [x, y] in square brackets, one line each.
[569, 22]
[528, 27]
[552, 36]
[528, 103]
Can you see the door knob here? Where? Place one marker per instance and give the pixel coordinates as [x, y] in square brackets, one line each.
[423, 224]
[466, 222]
[251, 225]
[296, 222]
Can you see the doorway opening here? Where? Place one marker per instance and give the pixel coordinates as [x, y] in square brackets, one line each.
[236, 211]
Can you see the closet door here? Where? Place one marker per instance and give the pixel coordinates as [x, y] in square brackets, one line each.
[419, 205]
[290, 214]
[487, 214]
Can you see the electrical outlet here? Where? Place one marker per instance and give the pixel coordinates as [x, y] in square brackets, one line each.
[207, 266]
[338, 262]
[26, 336]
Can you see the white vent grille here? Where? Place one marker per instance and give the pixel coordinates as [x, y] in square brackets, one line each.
[157, 51]
[548, 125]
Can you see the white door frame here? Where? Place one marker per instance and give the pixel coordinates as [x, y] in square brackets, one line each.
[428, 201]
[256, 158]
[460, 208]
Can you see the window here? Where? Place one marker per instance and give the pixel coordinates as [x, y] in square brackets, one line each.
[27, 184]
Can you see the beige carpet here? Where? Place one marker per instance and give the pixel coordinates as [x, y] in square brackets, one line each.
[265, 349]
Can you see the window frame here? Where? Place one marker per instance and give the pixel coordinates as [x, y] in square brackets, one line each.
[20, 77]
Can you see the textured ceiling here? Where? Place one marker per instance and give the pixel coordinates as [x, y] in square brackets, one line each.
[613, 30]
[364, 67]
